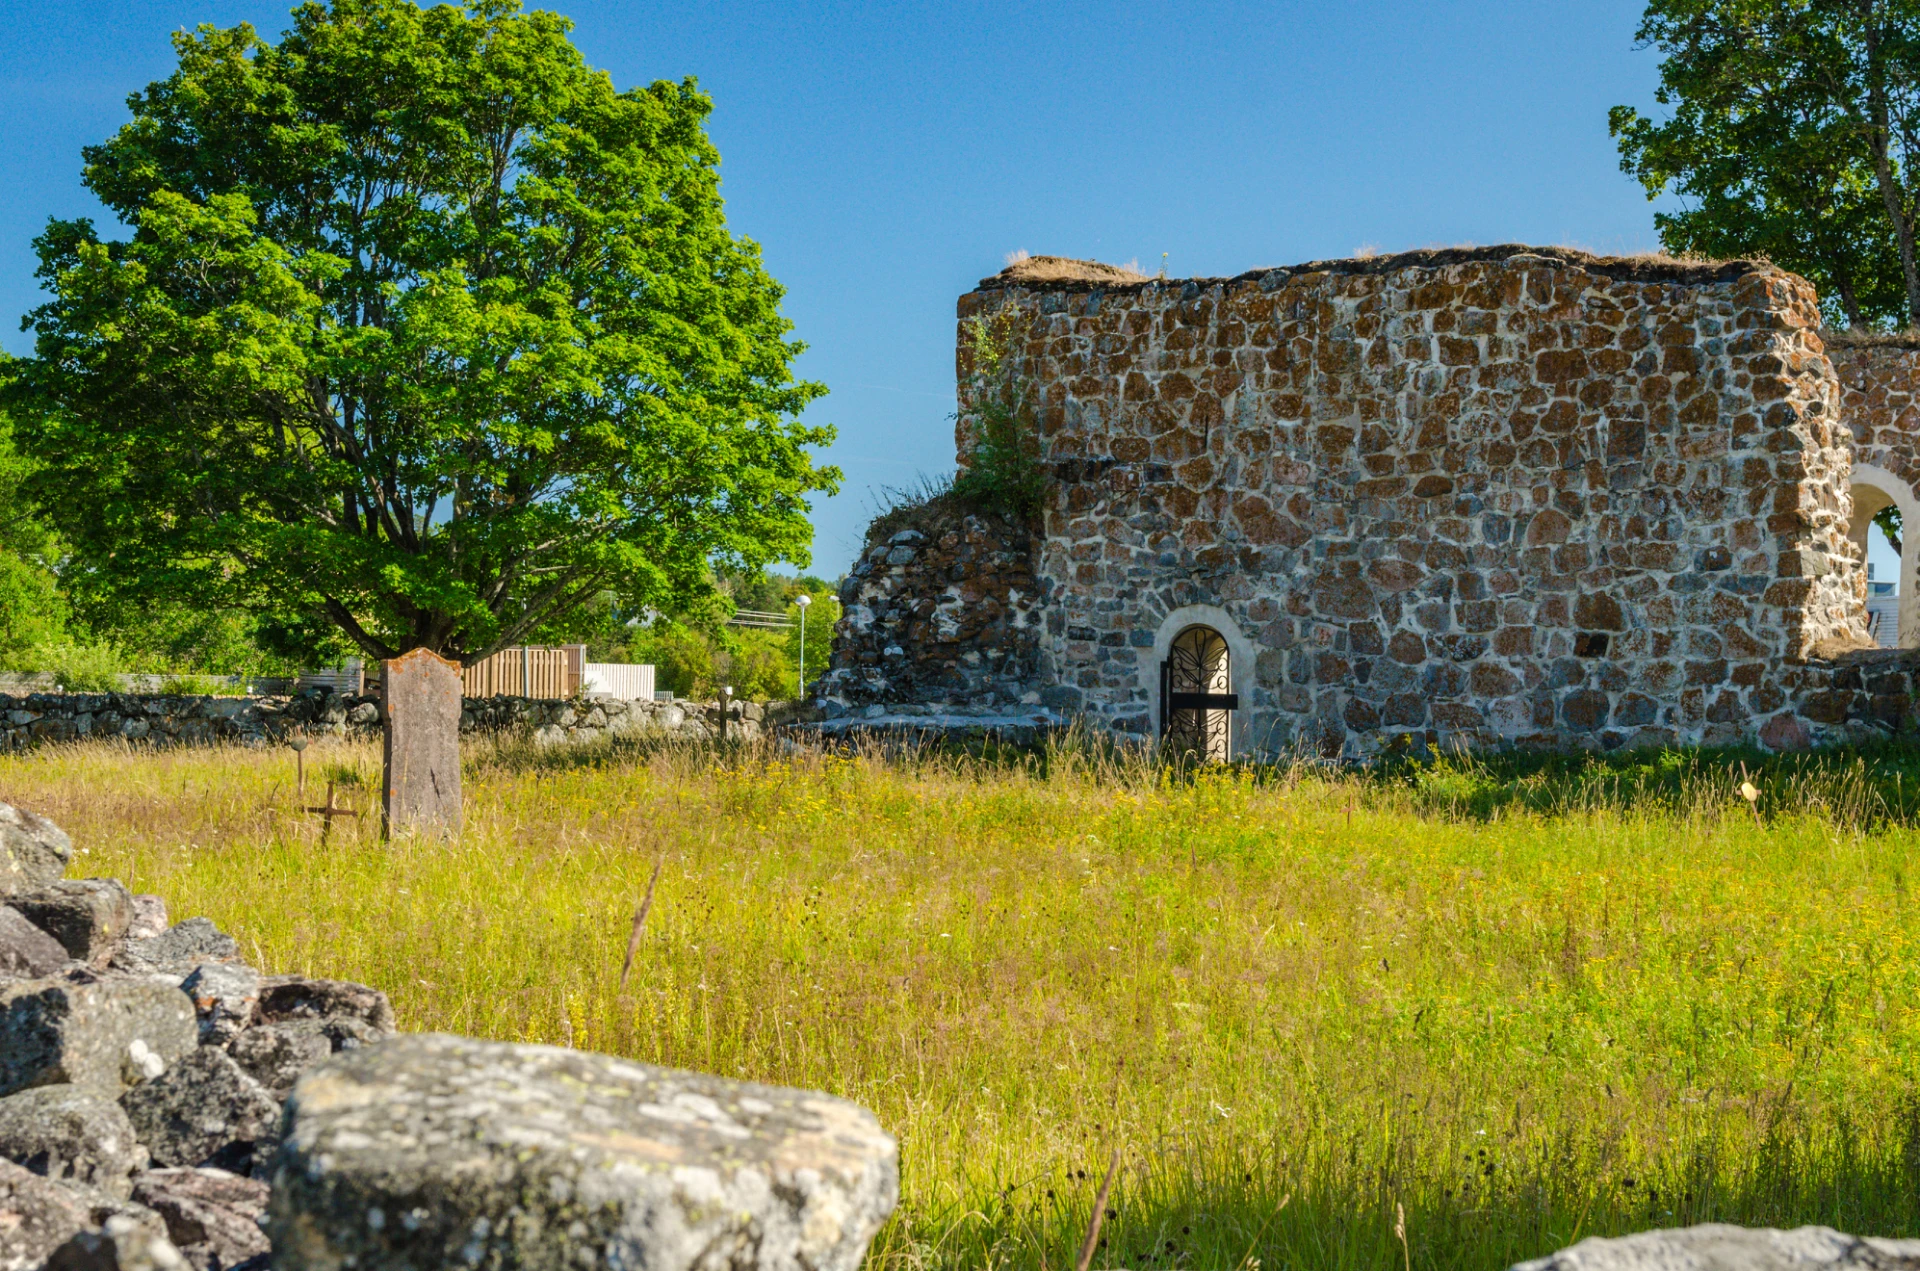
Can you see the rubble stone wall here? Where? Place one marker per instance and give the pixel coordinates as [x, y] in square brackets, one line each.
[1507, 496]
[940, 614]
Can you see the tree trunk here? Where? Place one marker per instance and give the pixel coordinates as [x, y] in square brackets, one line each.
[1892, 193]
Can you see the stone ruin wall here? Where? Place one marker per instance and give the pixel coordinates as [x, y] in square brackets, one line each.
[1507, 496]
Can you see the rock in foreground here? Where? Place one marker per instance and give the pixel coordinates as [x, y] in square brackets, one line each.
[1720, 1247]
[430, 1151]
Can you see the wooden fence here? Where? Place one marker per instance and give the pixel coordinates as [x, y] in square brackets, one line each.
[551, 674]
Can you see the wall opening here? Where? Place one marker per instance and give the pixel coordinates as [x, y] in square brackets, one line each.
[1886, 519]
[1196, 695]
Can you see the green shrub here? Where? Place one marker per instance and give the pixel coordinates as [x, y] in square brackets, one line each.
[1005, 469]
[82, 668]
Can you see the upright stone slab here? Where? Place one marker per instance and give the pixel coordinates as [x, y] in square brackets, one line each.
[423, 744]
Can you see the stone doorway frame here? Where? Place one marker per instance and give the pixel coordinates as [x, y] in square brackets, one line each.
[1900, 494]
[1241, 655]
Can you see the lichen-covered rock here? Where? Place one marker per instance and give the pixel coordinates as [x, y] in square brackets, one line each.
[68, 1133]
[88, 916]
[225, 995]
[25, 950]
[1720, 1247]
[149, 917]
[105, 1036]
[276, 1054]
[178, 949]
[212, 1216]
[121, 1244]
[37, 1216]
[286, 997]
[33, 851]
[204, 1110]
[430, 1151]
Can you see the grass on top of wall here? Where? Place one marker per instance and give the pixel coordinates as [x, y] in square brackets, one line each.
[1524, 1002]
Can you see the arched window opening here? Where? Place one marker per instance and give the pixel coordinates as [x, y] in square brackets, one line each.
[1879, 531]
[1196, 695]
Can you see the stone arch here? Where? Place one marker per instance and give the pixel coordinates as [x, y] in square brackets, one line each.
[1240, 657]
[1873, 488]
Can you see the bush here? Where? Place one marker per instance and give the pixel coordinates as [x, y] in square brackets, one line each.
[83, 668]
[1004, 470]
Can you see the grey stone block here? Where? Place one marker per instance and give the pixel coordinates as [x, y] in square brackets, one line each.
[123, 1244]
[179, 949]
[88, 916]
[211, 1216]
[37, 1216]
[149, 917]
[284, 997]
[225, 996]
[33, 851]
[1721, 1247]
[105, 1036]
[68, 1133]
[25, 950]
[276, 1054]
[429, 1151]
[205, 1110]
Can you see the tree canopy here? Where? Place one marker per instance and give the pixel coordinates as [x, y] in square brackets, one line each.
[423, 331]
[1794, 133]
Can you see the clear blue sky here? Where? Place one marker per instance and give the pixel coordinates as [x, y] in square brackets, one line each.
[887, 156]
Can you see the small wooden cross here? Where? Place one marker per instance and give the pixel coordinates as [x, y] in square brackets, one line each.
[330, 812]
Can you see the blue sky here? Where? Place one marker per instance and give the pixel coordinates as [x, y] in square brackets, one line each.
[887, 156]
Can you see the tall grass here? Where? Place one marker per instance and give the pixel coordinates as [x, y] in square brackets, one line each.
[1529, 1002]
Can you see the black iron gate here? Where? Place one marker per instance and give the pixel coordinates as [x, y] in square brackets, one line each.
[1195, 695]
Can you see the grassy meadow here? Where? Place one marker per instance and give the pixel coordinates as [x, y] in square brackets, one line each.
[1520, 1003]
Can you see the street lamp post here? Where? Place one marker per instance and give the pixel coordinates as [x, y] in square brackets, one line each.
[803, 602]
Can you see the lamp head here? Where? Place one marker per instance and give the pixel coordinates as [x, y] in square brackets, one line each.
[804, 601]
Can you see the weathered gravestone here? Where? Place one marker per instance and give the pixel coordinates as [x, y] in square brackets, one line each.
[423, 744]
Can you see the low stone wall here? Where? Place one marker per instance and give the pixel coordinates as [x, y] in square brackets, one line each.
[164, 1106]
[168, 719]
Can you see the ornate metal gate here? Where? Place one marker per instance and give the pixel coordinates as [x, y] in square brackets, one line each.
[1196, 696]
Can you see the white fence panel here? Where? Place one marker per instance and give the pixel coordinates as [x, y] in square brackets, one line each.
[633, 683]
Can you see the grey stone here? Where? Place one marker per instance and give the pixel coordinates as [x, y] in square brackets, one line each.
[25, 950]
[33, 851]
[68, 1133]
[429, 1151]
[179, 949]
[422, 754]
[121, 1244]
[149, 917]
[105, 1036]
[88, 916]
[1721, 1247]
[276, 1054]
[225, 995]
[205, 1110]
[212, 1216]
[284, 997]
[37, 1216]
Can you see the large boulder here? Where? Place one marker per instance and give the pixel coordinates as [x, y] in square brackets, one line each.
[33, 851]
[275, 1055]
[25, 950]
[1720, 1247]
[68, 1133]
[205, 1111]
[88, 916]
[428, 1151]
[212, 1216]
[37, 1216]
[105, 1036]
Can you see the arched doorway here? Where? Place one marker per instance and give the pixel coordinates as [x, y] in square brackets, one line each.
[1196, 695]
[1895, 620]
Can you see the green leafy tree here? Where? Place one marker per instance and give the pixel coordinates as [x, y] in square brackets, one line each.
[424, 332]
[33, 610]
[1792, 131]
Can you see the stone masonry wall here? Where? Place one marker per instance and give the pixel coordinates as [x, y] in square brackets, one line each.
[1504, 496]
[938, 614]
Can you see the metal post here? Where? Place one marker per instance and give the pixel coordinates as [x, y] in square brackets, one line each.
[803, 602]
[526, 671]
